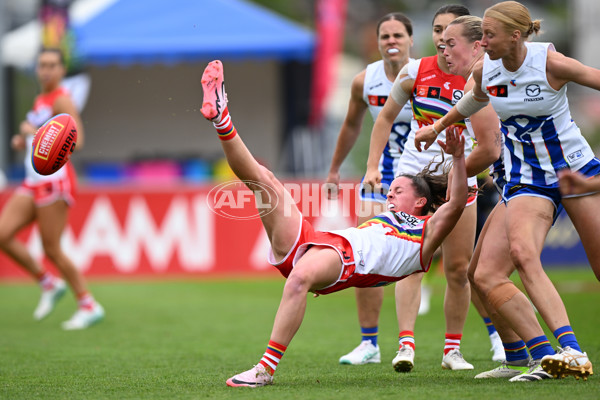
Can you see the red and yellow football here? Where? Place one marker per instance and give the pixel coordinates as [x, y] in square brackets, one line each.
[53, 144]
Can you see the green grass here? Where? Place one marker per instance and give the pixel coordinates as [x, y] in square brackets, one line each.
[183, 339]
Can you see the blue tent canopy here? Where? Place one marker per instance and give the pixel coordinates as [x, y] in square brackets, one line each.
[158, 31]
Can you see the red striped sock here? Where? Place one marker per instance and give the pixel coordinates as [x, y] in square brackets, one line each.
[224, 126]
[46, 280]
[272, 356]
[407, 338]
[452, 342]
[85, 301]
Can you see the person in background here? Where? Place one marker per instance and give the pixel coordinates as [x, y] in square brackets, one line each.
[369, 91]
[526, 83]
[46, 201]
[433, 89]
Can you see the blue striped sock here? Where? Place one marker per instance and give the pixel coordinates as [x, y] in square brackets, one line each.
[370, 334]
[515, 351]
[566, 337]
[490, 327]
[540, 347]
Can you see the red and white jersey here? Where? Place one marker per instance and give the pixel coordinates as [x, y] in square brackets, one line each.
[434, 94]
[388, 245]
[41, 112]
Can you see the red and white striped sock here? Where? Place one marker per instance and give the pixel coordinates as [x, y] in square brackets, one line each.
[407, 338]
[224, 126]
[85, 301]
[272, 356]
[46, 280]
[452, 342]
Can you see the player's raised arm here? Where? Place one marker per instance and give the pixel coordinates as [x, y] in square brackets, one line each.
[445, 218]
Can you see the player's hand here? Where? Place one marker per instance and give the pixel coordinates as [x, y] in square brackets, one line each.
[372, 181]
[575, 183]
[18, 142]
[455, 142]
[27, 128]
[425, 135]
[332, 185]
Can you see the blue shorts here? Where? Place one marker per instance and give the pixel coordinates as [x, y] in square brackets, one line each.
[380, 196]
[553, 194]
[590, 169]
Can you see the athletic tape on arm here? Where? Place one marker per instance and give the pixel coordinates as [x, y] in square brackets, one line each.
[468, 106]
[397, 93]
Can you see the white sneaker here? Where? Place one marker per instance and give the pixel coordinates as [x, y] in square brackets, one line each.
[568, 361]
[364, 353]
[497, 348]
[254, 377]
[404, 360]
[83, 319]
[505, 370]
[48, 299]
[455, 361]
[535, 373]
[425, 304]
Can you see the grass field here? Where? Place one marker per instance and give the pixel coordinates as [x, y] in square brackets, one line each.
[183, 339]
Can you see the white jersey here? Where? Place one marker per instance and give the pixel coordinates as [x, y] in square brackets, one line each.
[434, 94]
[388, 245]
[540, 136]
[376, 90]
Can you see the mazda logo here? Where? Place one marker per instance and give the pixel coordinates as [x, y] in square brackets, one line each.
[457, 95]
[533, 90]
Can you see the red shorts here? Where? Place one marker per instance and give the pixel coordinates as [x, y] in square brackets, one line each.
[351, 275]
[308, 237]
[48, 191]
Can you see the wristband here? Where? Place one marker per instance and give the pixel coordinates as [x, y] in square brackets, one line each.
[435, 130]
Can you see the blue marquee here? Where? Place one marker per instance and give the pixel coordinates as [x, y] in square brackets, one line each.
[169, 32]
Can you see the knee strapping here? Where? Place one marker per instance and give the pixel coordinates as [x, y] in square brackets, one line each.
[502, 293]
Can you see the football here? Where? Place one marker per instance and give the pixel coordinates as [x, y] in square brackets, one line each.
[53, 144]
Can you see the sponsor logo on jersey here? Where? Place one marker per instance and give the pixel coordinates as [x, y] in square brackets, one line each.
[428, 77]
[457, 94]
[409, 219]
[497, 74]
[375, 86]
[513, 82]
[533, 92]
[428, 91]
[362, 258]
[575, 156]
[375, 100]
[498, 90]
